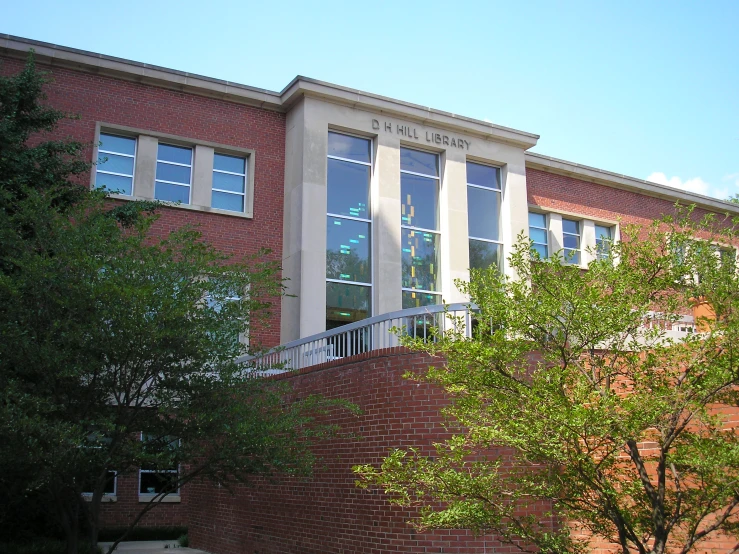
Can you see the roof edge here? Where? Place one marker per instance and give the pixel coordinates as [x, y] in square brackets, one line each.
[618, 180]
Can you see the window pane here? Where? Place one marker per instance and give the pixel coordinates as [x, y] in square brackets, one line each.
[229, 163]
[571, 241]
[225, 181]
[177, 154]
[172, 193]
[538, 235]
[352, 148]
[227, 201]
[420, 258]
[419, 162]
[602, 233]
[541, 250]
[484, 254]
[483, 209]
[348, 188]
[572, 256]
[419, 201]
[348, 250]
[346, 303]
[569, 226]
[483, 175]
[114, 183]
[109, 487]
[116, 164]
[156, 482]
[419, 299]
[176, 173]
[112, 143]
[538, 220]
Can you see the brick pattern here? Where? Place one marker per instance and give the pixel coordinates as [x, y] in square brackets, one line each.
[96, 98]
[127, 506]
[329, 514]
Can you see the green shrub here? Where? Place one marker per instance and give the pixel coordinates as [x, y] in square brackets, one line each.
[184, 541]
[45, 546]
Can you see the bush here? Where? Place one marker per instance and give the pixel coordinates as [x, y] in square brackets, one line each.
[45, 546]
[184, 541]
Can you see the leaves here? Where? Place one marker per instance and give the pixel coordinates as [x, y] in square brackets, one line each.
[572, 398]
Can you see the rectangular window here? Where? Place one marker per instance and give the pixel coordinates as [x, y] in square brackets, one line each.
[173, 173]
[603, 241]
[117, 159]
[539, 235]
[571, 241]
[110, 485]
[419, 222]
[155, 480]
[229, 182]
[348, 230]
[483, 216]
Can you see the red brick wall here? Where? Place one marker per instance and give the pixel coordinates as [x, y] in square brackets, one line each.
[122, 512]
[329, 514]
[560, 192]
[96, 98]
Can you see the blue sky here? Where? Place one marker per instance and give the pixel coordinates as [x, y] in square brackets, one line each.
[648, 89]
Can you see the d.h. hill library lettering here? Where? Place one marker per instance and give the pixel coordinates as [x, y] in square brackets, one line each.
[413, 132]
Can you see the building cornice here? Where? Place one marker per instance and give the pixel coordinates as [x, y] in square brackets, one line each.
[90, 62]
[624, 182]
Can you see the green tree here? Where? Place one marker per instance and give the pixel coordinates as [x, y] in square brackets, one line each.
[572, 394]
[119, 350]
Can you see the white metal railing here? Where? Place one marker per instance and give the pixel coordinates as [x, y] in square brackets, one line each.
[375, 333]
[363, 336]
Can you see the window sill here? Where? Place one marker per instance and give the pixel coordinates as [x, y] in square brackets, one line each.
[105, 498]
[191, 207]
[168, 499]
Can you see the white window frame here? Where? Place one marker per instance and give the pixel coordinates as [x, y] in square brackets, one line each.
[555, 232]
[568, 258]
[437, 232]
[173, 496]
[201, 182]
[499, 190]
[101, 151]
[190, 165]
[369, 164]
[243, 175]
[545, 229]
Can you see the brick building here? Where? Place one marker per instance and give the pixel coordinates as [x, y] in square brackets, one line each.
[373, 206]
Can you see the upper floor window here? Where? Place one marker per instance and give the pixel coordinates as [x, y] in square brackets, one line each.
[348, 230]
[538, 233]
[571, 241]
[603, 241]
[174, 173]
[483, 215]
[419, 221]
[114, 171]
[196, 174]
[229, 182]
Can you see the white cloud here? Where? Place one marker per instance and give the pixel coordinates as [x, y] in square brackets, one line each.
[732, 177]
[696, 184]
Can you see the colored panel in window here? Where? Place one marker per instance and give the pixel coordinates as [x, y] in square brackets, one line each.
[348, 250]
[348, 189]
[420, 260]
[419, 198]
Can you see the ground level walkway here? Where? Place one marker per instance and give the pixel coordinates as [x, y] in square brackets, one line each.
[151, 547]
